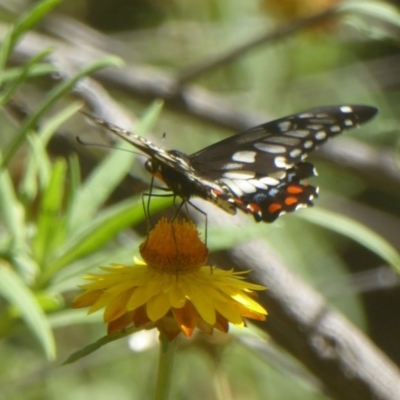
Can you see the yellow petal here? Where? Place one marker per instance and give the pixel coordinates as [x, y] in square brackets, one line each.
[158, 306]
[227, 310]
[117, 307]
[203, 304]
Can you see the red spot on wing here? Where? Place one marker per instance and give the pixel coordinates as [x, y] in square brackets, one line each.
[289, 201]
[274, 207]
[294, 189]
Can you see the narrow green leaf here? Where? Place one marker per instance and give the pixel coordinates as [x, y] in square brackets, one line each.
[25, 72]
[12, 213]
[108, 174]
[38, 166]
[98, 187]
[31, 18]
[68, 278]
[93, 236]
[98, 344]
[14, 290]
[355, 231]
[36, 70]
[52, 124]
[50, 226]
[74, 185]
[68, 317]
[5, 50]
[55, 94]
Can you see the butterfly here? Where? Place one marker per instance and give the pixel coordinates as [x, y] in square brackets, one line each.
[258, 171]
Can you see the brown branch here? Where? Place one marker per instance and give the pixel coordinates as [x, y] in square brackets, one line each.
[347, 363]
[279, 33]
[376, 166]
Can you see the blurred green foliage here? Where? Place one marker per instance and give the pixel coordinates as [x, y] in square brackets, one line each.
[55, 226]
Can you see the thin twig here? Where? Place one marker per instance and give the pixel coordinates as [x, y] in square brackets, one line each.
[194, 71]
[301, 321]
[379, 167]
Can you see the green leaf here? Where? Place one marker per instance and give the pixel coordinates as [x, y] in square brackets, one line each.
[31, 18]
[55, 94]
[98, 187]
[14, 290]
[52, 124]
[375, 9]
[35, 70]
[25, 72]
[37, 170]
[68, 317]
[12, 214]
[50, 225]
[98, 344]
[38, 167]
[5, 50]
[108, 174]
[355, 231]
[74, 185]
[67, 278]
[100, 231]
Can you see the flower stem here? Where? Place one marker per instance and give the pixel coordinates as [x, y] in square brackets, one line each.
[165, 367]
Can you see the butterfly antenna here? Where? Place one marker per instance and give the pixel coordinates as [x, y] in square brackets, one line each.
[106, 146]
[164, 136]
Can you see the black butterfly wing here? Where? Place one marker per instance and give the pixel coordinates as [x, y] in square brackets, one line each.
[279, 144]
[260, 170]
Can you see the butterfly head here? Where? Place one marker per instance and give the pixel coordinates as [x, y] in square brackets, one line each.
[150, 166]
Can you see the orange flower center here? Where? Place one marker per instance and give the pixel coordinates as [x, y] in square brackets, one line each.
[174, 247]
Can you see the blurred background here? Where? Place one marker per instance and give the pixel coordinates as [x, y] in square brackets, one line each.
[198, 71]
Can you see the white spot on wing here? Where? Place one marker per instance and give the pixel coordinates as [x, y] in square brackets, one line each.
[268, 180]
[282, 162]
[295, 153]
[270, 148]
[232, 187]
[348, 122]
[239, 174]
[258, 184]
[308, 144]
[245, 156]
[335, 128]
[320, 135]
[346, 109]
[284, 126]
[300, 133]
[314, 126]
[230, 166]
[305, 115]
[278, 174]
[245, 186]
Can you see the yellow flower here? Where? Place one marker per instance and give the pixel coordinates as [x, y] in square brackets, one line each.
[173, 290]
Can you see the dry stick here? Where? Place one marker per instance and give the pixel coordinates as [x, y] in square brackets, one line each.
[300, 320]
[195, 71]
[347, 363]
[376, 166]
